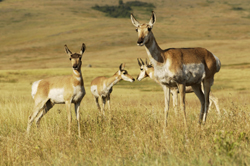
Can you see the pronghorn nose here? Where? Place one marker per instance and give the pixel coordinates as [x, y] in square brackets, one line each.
[140, 41]
[75, 66]
[133, 79]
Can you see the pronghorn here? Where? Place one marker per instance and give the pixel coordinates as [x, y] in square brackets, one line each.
[59, 90]
[179, 67]
[102, 86]
[147, 70]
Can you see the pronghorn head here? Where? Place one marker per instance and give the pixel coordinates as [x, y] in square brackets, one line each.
[144, 69]
[75, 58]
[144, 30]
[124, 74]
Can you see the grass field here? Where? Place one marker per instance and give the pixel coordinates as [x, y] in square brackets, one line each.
[32, 36]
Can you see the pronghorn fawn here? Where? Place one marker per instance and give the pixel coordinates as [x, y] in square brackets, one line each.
[102, 86]
[59, 90]
[147, 70]
[179, 67]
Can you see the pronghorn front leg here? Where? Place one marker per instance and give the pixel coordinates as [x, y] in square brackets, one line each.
[77, 111]
[182, 89]
[166, 96]
[175, 99]
[68, 103]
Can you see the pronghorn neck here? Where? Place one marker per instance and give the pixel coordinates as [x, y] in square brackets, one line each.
[154, 51]
[150, 73]
[77, 74]
[111, 81]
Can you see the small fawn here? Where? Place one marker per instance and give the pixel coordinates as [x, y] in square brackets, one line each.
[102, 86]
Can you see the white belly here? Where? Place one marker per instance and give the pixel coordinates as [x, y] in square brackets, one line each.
[56, 95]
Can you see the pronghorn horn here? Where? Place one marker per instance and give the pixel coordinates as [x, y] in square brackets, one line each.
[146, 61]
[142, 61]
[83, 48]
[152, 19]
[134, 21]
[139, 63]
[122, 66]
[67, 50]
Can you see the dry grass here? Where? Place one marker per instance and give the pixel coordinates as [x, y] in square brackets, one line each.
[131, 133]
[32, 37]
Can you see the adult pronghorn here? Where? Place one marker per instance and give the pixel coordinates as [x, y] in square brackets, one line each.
[59, 90]
[147, 70]
[102, 86]
[179, 66]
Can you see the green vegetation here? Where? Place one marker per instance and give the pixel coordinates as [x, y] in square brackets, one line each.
[123, 10]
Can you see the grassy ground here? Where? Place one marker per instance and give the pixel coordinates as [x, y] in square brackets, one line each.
[32, 37]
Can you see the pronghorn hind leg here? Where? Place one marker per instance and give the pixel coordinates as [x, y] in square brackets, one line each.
[37, 108]
[97, 103]
[108, 101]
[207, 86]
[104, 99]
[182, 89]
[47, 107]
[215, 101]
[198, 92]
[77, 111]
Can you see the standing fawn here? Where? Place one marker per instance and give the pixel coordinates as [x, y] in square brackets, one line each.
[102, 86]
[59, 90]
[179, 67]
[147, 70]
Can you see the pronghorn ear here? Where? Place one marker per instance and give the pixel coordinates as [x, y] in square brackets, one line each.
[134, 21]
[139, 63]
[152, 20]
[142, 61]
[122, 66]
[68, 51]
[83, 49]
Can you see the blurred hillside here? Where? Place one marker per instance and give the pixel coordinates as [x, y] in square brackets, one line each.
[33, 33]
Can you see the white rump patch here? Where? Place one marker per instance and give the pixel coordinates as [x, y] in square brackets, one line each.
[34, 88]
[56, 95]
[94, 91]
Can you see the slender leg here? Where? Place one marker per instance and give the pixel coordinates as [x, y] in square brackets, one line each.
[215, 101]
[103, 104]
[68, 103]
[207, 87]
[166, 96]
[47, 107]
[108, 100]
[97, 103]
[200, 95]
[182, 89]
[175, 99]
[37, 108]
[77, 108]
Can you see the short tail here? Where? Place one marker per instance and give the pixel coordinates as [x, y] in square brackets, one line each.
[218, 64]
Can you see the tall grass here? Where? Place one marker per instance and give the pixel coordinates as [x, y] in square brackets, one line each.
[130, 134]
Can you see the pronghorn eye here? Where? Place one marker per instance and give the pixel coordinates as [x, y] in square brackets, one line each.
[149, 29]
[141, 69]
[136, 30]
[70, 59]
